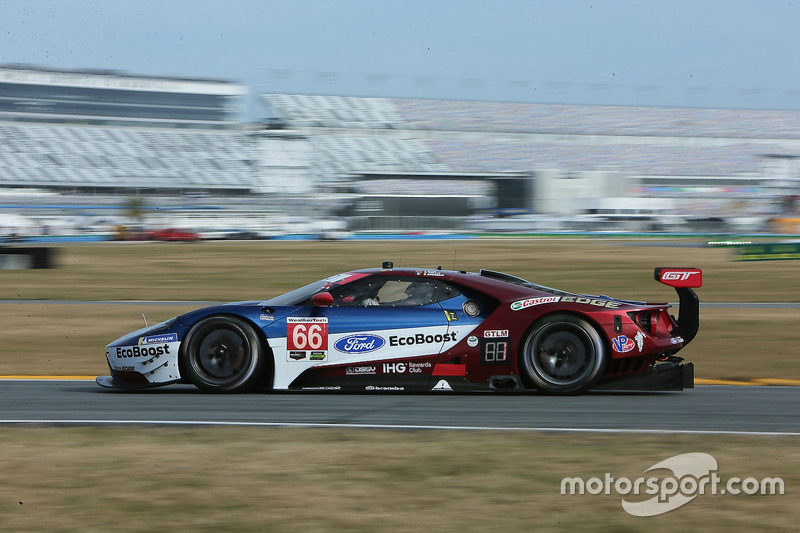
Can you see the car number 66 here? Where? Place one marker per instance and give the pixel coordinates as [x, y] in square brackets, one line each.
[308, 335]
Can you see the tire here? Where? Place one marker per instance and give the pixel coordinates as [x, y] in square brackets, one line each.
[223, 354]
[563, 354]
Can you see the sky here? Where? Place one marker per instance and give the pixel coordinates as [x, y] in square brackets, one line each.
[683, 53]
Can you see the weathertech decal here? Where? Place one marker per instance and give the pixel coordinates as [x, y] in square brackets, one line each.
[307, 336]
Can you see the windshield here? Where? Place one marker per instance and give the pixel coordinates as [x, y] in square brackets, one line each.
[303, 294]
[298, 295]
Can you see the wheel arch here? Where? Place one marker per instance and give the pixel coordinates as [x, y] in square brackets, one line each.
[543, 319]
[267, 376]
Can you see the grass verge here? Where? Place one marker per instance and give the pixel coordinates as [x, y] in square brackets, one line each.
[256, 479]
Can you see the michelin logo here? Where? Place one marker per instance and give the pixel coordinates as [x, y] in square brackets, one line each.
[159, 339]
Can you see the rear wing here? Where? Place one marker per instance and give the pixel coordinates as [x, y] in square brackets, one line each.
[684, 280]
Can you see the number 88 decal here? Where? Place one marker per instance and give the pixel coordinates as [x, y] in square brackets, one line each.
[494, 352]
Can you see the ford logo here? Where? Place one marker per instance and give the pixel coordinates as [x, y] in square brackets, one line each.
[359, 343]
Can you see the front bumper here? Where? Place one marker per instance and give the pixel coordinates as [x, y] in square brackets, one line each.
[112, 382]
[142, 362]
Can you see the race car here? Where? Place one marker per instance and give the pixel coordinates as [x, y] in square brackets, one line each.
[417, 329]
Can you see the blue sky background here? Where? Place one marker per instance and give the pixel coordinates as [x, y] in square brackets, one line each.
[693, 53]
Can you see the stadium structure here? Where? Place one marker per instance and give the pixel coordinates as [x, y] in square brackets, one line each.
[570, 166]
[78, 142]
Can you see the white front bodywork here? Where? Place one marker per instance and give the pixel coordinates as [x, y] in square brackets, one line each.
[155, 357]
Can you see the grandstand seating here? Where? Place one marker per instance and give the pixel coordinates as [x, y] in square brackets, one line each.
[60, 155]
[336, 111]
[339, 155]
[474, 136]
[348, 135]
[597, 120]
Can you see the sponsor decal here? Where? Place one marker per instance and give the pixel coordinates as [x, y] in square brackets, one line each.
[403, 367]
[435, 273]
[442, 385]
[337, 387]
[639, 340]
[357, 344]
[421, 338]
[142, 351]
[394, 368]
[360, 370]
[599, 302]
[676, 340]
[378, 388]
[308, 336]
[472, 341]
[494, 333]
[266, 317]
[451, 316]
[622, 344]
[418, 368]
[530, 302]
[158, 339]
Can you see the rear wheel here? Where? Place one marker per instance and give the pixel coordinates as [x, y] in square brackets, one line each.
[563, 354]
[223, 354]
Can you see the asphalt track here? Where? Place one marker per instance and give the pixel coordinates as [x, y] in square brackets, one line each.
[705, 409]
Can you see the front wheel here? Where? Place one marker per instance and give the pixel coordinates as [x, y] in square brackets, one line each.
[223, 354]
[563, 354]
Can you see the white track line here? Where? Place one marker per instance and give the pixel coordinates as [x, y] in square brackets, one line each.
[405, 427]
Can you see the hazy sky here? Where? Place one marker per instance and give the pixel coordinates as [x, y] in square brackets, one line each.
[698, 53]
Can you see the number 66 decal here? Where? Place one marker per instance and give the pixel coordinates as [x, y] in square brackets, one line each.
[307, 333]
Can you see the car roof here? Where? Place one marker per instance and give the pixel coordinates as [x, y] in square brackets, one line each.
[497, 284]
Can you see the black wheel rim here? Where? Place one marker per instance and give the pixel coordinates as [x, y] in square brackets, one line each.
[221, 354]
[562, 354]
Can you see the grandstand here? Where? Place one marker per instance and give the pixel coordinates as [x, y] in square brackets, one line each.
[716, 155]
[514, 137]
[118, 159]
[98, 137]
[84, 131]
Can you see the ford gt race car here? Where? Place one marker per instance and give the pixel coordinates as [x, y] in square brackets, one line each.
[407, 329]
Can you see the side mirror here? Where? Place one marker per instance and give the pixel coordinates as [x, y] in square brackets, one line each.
[322, 299]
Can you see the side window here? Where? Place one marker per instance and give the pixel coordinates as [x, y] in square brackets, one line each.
[361, 293]
[414, 292]
[386, 291]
